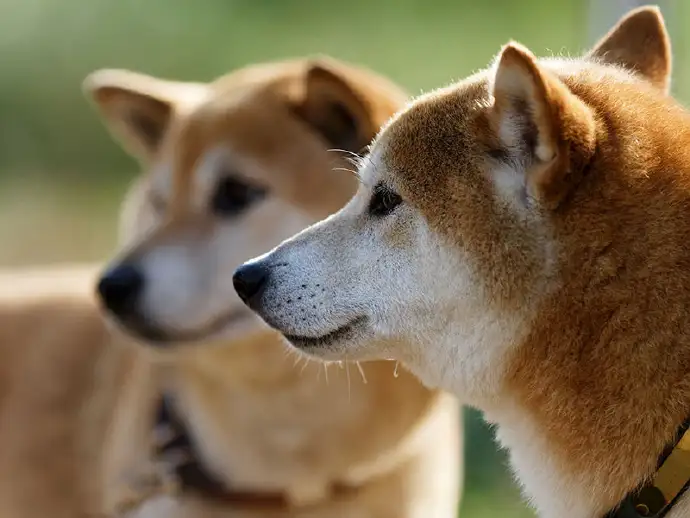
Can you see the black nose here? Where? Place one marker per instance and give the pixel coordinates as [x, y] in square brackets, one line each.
[120, 287]
[249, 280]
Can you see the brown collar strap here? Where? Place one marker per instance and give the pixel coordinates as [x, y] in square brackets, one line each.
[260, 500]
[670, 480]
[193, 477]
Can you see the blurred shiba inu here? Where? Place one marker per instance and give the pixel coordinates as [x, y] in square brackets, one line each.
[521, 239]
[60, 378]
[232, 168]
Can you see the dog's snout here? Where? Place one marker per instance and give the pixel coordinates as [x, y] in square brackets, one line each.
[249, 281]
[120, 287]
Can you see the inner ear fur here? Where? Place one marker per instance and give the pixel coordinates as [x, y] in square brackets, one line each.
[136, 108]
[541, 125]
[331, 106]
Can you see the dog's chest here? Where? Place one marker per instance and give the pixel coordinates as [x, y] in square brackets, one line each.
[266, 435]
[545, 482]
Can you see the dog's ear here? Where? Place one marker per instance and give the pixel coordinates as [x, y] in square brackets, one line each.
[542, 129]
[640, 43]
[137, 108]
[332, 107]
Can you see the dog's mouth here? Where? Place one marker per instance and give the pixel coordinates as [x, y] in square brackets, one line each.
[344, 333]
[156, 335]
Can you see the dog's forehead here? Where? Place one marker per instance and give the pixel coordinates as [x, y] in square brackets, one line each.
[439, 131]
[231, 122]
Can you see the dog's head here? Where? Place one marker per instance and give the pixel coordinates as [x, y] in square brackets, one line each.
[232, 168]
[450, 243]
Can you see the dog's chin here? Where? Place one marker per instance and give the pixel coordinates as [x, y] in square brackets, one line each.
[226, 327]
[338, 344]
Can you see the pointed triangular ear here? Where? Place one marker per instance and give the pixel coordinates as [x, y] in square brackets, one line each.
[137, 108]
[546, 134]
[332, 107]
[640, 43]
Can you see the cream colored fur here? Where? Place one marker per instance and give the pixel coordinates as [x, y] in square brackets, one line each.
[78, 396]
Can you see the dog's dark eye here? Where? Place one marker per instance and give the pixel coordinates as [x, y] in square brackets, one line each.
[384, 201]
[233, 196]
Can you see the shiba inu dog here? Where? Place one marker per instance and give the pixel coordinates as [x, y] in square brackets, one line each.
[521, 239]
[232, 168]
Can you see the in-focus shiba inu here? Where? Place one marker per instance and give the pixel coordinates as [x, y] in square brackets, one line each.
[521, 238]
[232, 168]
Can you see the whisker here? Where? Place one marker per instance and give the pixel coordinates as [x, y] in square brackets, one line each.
[299, 359]
[352, 172]
[289, 352]
[347, 170]
[354, 161]
[395, 371]
[361, 371]
[347, 152]
[325, 370]
[306, 363]
[349, 392]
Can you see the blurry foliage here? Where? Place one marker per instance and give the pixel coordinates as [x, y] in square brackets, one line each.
[48, 46]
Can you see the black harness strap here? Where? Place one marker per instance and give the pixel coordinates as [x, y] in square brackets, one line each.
[670, 480]
[193, 477]
[190, 473]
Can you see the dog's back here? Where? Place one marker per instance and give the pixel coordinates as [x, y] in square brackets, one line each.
[58, 386]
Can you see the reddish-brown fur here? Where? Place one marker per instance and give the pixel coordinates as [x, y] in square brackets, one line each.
[606, 369]
[600, 246]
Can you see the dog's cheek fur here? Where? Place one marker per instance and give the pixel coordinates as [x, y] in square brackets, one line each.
[399, 270]
[442, 321]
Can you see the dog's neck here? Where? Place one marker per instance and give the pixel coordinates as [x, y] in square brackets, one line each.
[592, 401]
[545, 479]
[588, 401]
[218, 392]
[252, 409]
[549, 481]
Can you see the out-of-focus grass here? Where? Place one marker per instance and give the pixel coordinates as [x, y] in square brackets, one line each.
[61, 177]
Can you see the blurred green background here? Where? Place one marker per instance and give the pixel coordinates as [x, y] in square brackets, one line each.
[61, 177]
